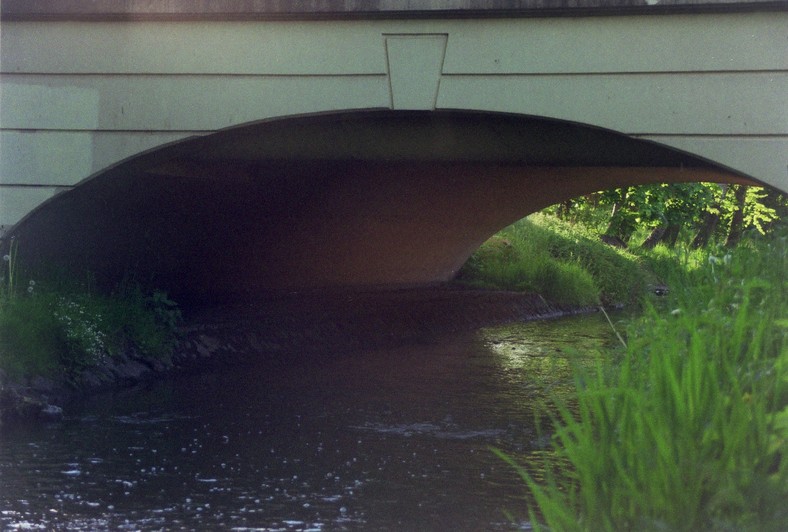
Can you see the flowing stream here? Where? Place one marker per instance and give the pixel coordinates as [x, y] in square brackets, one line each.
[396, 438]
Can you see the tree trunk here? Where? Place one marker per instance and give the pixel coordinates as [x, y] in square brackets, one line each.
[737, 222]
[611, 224]
[620, 227]
[656, 236]
[671, 235]
[707, 228]
[709, 224]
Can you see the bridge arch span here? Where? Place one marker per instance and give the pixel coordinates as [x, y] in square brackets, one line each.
[373, 198]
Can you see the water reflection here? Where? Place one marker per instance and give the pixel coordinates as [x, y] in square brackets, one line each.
[540, 356]
[394, 439]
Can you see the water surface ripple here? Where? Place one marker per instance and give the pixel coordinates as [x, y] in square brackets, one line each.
[386, 439]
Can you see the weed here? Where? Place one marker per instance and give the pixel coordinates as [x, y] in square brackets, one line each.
[62, 332]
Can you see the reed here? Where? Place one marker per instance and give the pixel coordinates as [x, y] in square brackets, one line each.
[687, 428]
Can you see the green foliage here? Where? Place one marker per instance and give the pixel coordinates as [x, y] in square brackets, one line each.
[688, 429]
[757, 214]
[517, 259]
[62, 332]
[565, 282]
[8, 272]
[617, 273]
[144, 323]
[679, 263]
[30, 337]
[634, 211]
[562, 262]
[79, 321]
[644, 206]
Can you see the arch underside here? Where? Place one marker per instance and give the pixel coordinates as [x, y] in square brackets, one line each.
[352, 199]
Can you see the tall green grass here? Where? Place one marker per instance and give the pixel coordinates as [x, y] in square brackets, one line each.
[562, 262]
[687, 430]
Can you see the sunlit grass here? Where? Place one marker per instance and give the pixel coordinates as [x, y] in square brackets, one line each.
[687, 431]
[561, 262]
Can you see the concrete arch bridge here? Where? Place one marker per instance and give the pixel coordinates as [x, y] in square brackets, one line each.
[224, 149]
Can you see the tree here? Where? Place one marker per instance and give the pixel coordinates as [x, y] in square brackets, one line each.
[677, 205]
[710, 220]
[737, 219]
[669, 209]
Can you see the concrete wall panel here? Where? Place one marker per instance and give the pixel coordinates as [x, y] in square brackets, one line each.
[17, 201]
[679, 43]
[31, 103]
[756, 156]
[151, 108]
[287, 48]
[414, 64]
[53, 158]
[177, 103]
[634, 103]
[63, 158]
[719, 42]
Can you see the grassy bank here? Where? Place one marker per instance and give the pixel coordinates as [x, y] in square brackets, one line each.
[59, 331]
[687, 428]
[564, 263]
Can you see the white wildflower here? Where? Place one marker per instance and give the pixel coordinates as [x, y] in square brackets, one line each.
[83, 331]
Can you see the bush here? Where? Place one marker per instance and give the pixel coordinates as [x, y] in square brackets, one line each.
[61, 333]
[618, 273]
[30, 337]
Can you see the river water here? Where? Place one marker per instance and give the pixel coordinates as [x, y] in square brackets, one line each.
[393, 438]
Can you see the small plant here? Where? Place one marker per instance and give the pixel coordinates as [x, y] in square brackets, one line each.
[148, 324]
[84, 335]
[62, 332]
[8, 272]
[30, 337]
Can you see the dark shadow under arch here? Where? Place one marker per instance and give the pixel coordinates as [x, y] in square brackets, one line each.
[349, 199]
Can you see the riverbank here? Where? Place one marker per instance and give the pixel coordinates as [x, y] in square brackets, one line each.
[285, 325]
[692, 415]
[564, 262]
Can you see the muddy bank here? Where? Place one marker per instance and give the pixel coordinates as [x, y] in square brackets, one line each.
[282, 326]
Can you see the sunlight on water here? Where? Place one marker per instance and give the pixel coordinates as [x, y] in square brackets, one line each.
[395, 438]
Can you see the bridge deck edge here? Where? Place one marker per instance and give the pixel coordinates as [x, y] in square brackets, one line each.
[134, 10]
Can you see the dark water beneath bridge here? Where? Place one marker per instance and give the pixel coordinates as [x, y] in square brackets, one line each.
[395, 438]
